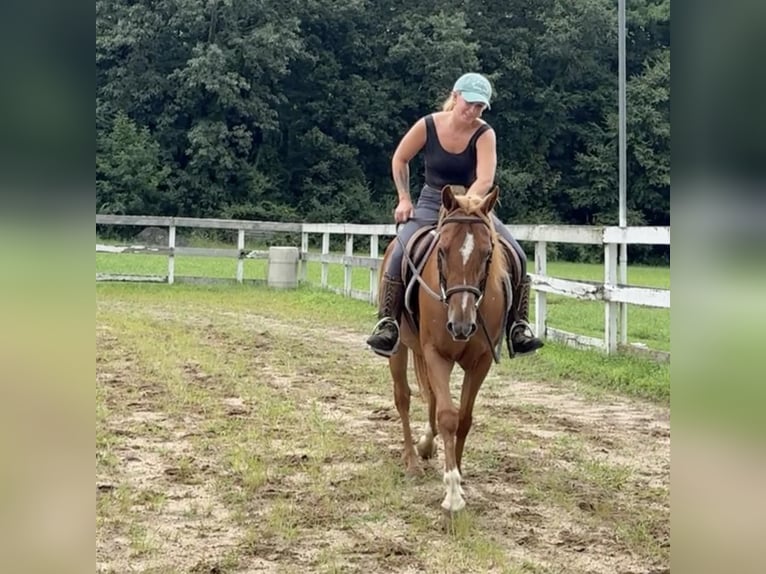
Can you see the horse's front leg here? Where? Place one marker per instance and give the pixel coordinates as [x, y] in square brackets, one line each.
[397, 363]
[472, 380]
[426, 446]
[439, 370]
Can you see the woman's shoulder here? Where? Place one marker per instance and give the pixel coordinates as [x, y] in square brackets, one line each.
[483, 125]
[435, 117]
[484, 128]
[438, 117]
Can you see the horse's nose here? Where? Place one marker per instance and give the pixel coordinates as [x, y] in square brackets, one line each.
[460, 330]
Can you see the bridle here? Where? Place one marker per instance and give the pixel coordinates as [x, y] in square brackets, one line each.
[478, 292]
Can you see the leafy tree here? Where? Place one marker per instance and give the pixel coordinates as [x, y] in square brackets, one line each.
[130, 175]
[291, 111]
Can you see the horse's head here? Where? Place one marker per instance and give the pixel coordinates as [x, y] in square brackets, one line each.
[465, 250]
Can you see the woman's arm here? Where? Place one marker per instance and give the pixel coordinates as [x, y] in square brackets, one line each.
[486, 164]
[412, 142]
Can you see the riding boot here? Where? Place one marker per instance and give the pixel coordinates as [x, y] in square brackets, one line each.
[384, 339]
[519, 336]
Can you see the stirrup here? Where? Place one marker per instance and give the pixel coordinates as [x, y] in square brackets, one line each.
[527, 331]
[381, 352]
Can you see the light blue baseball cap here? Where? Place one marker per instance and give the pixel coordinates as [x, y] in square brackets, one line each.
[474, 88]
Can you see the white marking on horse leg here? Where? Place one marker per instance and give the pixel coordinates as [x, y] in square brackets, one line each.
[467, 247]
[453, 501]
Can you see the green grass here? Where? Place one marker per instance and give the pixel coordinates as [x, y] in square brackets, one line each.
[631, 375]
[646, 325]
[591, 371]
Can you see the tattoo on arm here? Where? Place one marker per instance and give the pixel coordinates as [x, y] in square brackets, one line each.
[402, 181]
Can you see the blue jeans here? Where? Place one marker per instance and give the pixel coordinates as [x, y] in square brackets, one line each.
[427, 213]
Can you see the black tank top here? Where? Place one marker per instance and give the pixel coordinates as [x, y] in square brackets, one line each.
[443, 167]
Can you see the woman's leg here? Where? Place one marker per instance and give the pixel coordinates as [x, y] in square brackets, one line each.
[502, 230]
[520, 337]
[384, 339]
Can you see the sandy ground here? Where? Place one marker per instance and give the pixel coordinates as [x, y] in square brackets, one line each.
[556, 480]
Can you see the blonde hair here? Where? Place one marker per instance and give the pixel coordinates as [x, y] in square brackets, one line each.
[450, 102]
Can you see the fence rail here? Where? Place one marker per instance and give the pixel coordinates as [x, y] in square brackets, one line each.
[610, 292]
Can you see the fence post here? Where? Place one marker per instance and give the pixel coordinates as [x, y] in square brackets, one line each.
[171, 255]
[325, 251]
[373, 272]
[541, 301]
[623, 267]
[240, 259]
[611, 310]
[348, 269]
[303, 262]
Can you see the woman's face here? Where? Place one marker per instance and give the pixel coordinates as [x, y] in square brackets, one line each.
[467, 111]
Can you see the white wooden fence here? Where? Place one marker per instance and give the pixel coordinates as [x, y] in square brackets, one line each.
[613, 295]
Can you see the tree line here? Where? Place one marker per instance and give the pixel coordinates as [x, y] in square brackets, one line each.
[290, 110]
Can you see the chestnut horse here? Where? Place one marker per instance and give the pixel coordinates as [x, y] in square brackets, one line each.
[461, 309]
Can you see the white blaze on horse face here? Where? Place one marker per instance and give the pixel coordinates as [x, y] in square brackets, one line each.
[465, 251]
[467, 247]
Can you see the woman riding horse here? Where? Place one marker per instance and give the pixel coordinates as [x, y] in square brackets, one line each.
[459, 150]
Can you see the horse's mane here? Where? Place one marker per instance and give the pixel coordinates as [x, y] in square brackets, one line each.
[471, 205]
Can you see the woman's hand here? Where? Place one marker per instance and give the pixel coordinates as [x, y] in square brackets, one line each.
[404, 210]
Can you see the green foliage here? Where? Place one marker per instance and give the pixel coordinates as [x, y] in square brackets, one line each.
[130, 175]
[291, 111]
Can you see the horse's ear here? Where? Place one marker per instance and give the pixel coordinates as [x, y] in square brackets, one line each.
[448, 198]
[490, 200]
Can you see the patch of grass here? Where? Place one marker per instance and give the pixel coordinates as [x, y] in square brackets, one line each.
[151, 499]
[555, 363]
[646, 533]
[605, 477]
[645, 325]
[592, 369]
[327, 562]
[247, 468]
[141, 543]
[283, 520]
[106, 460]
[115, 505]
[468, 547]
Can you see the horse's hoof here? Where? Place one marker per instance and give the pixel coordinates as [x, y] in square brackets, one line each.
[414, 470]
[426, 451]
[452, 507]
[412, 465]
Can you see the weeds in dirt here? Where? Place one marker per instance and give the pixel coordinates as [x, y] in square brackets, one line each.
[233, 436]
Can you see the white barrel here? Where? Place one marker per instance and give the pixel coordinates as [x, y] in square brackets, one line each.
[283, 267]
